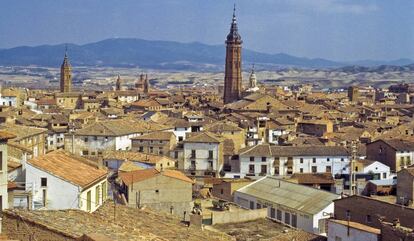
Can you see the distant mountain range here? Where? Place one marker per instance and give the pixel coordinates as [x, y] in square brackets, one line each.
[127, 52]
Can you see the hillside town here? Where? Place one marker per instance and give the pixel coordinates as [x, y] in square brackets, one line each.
[232, 162]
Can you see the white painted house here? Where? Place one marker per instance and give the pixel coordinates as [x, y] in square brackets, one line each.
[58, 180]
[289, 203]
[111, 135]
[4, 136]
[265, 159]
[341, 230]
[380, 170]
[203, 154]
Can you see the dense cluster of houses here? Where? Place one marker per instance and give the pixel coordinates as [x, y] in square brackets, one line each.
[318, 161]
[336, 164]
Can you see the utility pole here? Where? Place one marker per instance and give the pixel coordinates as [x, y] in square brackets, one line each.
[352, 181]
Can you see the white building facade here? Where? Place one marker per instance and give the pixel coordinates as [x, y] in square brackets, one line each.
[296, 205]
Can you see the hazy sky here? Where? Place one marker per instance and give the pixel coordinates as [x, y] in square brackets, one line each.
[333, 29]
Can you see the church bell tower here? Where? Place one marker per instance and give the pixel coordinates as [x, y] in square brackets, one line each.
[233, 72]
[66, 75]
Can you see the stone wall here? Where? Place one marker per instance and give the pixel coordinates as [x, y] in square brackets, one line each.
[368, 211]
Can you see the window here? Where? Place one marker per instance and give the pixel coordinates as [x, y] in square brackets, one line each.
[141, 149]
[342, 159]
[43, 182]
[294, 220]
[384, 175]
[328, 169]
[314, 169]
[176, 154]
[160, 142]
[221, 191]
[85, 152]
[104, 192]
[263, 159]
[301, 170]
[252, 158]
[272, 213]
[88, 201]
[314, 160]
[210, 164]
[301, 160]
[287, 218]
[86, 139]
[348, 214]
[279, 215]
[193, 153]
[369, 219]
[97, 189]
[151, 149]
[210, 154]
[263, 169]
[251, 168]
[157, 191]
[1, 161]
[408, 160]
[327, 159]
[258, 206]
[251, 205]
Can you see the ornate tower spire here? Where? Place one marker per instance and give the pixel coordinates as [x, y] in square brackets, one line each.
[66, 74]
[118, 83]
[233, 76]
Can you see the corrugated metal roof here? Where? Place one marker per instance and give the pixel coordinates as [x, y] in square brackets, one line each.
[293, 196]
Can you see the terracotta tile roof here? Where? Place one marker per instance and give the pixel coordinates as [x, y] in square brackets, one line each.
[128, 166]
[135, 156]
[203, 137]
[400, 145]
[313, 178]
[21, 131]
[71, 168]
[220, 127]
[140, 175]
[128, 224]
[146, 103]
[356, 225]
[159, 135]
[12, 165]
[283, 151]
[5, 135]
[117, 128]
[257, 150]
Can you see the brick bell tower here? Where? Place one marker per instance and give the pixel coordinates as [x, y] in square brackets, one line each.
[233, 72]
[66, 75]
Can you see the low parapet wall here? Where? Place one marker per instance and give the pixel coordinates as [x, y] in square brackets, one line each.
[236, 216]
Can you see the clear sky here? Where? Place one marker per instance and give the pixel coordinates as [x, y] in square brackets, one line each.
[333, 29]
